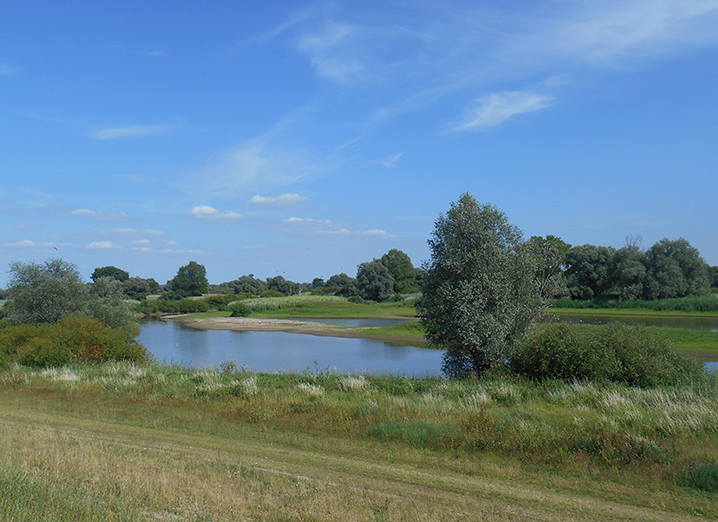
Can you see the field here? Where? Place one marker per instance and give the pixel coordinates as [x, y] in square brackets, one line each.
[120, 442]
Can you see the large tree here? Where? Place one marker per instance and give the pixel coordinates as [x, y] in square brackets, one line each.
[190, 280]
[481, 293]
[401, 269]
[550, 254]
[675, 269]
[374, 281]
[44, 293]
[110, 271]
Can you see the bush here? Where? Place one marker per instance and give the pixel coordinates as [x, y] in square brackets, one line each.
[239, 309]
[272, 293]
[356, 299]
[619, 353]
[72, 339]
[703, 477]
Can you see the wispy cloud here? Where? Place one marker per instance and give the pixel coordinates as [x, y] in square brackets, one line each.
[211, 213]
[284, 199]
[496, 108]
[96, 214]
[22, 243]
[133, 231]
[253, 247]
[377, 232]
[390, 162]
[132, 131]
[315, 226]
[99, 245]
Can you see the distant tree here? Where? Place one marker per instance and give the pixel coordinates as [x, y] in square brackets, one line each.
[155, 287]
[106, 304]
[715, 276]
[420, 276]
[550, 254]
[136, 288]
[374, 281]
[346, 285]
[191, 280]
[110, 271]
[318, 282]
[481, 294]
[675, 269]
[283, 286]
[630, 270]
[45, 293]
[590, 271]
[401, 270]
[248, 284]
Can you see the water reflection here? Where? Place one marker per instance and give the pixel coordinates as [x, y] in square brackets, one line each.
[279, 351]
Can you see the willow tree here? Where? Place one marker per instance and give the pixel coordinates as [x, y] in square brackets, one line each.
[481, 293]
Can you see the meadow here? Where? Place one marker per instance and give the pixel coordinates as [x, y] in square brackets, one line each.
[118, 441]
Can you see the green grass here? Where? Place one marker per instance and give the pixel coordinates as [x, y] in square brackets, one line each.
[124, 442]
[612, 312]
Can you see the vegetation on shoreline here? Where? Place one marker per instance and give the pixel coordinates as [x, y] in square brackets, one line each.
[613, 443]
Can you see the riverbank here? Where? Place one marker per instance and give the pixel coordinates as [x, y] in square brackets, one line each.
[408, 333]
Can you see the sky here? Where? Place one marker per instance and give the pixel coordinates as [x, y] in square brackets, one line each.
[303, 138]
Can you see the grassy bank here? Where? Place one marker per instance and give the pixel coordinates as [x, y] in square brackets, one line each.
[122, 442]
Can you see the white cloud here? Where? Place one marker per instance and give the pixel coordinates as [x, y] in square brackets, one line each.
[99, 245]
[132, 131]
[253, 247]
[141, 242]
[376, 232]
[22, 243]
[315, 226]
[143, 249]
[332, 52]
[173, 251]
[494, 109]
[390, 162]
[117, 216]
[284, 199]
[207, 212]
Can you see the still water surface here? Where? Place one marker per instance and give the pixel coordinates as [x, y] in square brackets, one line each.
[169, 341]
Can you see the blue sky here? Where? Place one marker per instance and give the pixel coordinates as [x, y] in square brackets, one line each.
[302, 138]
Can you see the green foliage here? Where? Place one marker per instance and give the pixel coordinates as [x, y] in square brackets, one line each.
[191, 280]
[72, 339]
[590, 271]
[703, 477]
[480, 294]
[240, 309]
[550, 254]
[346, 285]
[136, 288]
[355, 299]
[618, 353]
[374, 281]
[317, 282]
[272, 293]
[675, 269]
[707, 303]
[401, 270]
[110, 271]
[282, 286]
[45, 293]
[247, 284]
[106, 304]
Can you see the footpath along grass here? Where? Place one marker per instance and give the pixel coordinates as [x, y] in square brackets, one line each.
[124, 442]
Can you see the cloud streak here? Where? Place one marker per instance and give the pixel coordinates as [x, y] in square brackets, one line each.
[284, 199]
[205, 212]
[494, 109]
[132, 131]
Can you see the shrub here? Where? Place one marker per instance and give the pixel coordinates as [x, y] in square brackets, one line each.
[239, 309]
[356, 299]
[73, 339]
[703, 477]
[272, 293]
[619, 353]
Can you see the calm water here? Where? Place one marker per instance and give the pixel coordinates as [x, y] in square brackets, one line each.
[694, 323]
[284, 352]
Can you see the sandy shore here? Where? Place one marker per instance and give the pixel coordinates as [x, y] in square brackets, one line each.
[252, 324]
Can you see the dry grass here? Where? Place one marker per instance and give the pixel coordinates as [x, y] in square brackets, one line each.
[121, 442]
